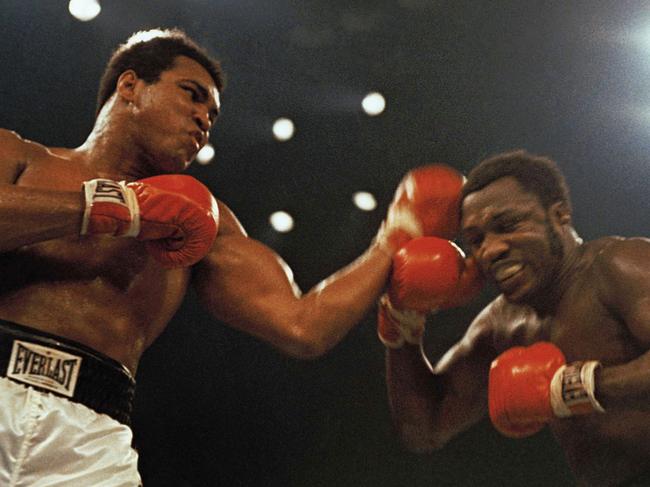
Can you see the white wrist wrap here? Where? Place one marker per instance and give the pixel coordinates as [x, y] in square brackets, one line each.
[573, 389]
[98, 192]
[134, 207]
[409, 324]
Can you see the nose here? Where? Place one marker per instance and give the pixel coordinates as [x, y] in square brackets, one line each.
[202, 120]
[493, 248]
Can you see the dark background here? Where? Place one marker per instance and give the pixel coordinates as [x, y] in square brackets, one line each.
[463, 79]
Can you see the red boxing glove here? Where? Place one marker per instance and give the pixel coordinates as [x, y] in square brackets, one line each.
[529, 386]
[469, 285]
[426, 271]
[426, 202]
[176, 214]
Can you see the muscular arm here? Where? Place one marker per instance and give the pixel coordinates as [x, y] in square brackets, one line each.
[245, 284]
[626, 292]
[432, 404]
[29, 215]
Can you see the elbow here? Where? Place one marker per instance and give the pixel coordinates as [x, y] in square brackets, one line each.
[423, 447]
[305, 351]
[419, 439]
[308, 336]
[305, 346]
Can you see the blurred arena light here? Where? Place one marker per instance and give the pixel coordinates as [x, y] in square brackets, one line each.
[281, 221]
[84, 10]
[205, 155]
[374, 103]
[364, 201]
[283, 129]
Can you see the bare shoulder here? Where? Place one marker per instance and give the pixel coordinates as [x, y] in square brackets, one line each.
[16, 153]
[233, 248]
[9, 138]
[13, 146]
[229, 224]
[484, 325]
[503, 324]
[620, 273]
[617, 257]
[478, 340]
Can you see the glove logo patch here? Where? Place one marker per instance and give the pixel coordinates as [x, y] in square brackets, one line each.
[108, 191]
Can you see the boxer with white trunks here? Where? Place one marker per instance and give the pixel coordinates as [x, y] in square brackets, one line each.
[99, 244]
[65, 413]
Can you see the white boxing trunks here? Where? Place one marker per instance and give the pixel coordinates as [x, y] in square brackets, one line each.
[48, 441]
[64, 414]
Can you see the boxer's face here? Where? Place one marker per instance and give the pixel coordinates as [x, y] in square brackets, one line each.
[512, 237]
[175, 114]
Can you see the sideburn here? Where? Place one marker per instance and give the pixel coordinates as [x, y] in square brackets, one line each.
[554, 241]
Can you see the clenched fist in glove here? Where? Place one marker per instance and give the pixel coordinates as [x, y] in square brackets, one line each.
[175, 214]
[530, 386]
[429, 273]
[426, 203]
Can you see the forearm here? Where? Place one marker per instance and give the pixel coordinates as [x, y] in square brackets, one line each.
[414, 397]
[626, 386]
[245, 284]
[30, 215]
[334, 306]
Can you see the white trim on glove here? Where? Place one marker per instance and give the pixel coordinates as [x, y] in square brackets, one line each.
[409, 323]
[573, 389]
[111, 192]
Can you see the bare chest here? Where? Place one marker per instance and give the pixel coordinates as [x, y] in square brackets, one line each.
[584, 329]
[105, 292]
[580, 326]
[118, 261]
[63, 284]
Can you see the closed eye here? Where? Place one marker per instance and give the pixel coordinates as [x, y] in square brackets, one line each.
[192, 91]
[472, 241]
[201, 95]
[508, 225]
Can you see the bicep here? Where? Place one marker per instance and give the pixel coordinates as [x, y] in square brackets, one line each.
[246, 285]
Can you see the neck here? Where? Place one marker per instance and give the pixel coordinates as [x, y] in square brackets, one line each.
[111, 150]
[547, 300]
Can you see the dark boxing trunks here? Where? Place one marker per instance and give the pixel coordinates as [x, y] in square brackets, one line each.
[66, 368]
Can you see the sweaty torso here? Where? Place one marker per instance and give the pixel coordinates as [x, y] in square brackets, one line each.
[602, 449]
[104, 292]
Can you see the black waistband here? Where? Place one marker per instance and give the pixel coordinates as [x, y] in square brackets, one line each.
[87, 376]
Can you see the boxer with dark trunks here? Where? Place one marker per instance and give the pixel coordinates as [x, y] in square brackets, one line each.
[99, 244]
[565, 344]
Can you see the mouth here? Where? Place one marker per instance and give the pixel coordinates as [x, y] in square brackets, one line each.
[193, 145]
[197, 137]
[506, 272]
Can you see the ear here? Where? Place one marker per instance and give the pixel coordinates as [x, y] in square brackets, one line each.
[126, 83]
[560, 213]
